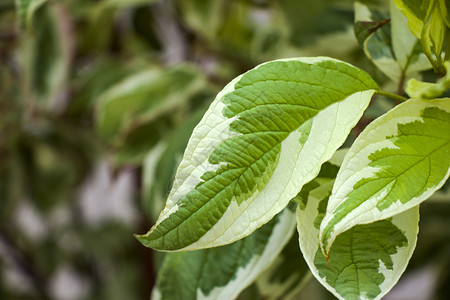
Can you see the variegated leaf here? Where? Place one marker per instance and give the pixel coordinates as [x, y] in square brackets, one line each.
[289, 273]
[286, 275]
[364, 262]
[396, 163]
[135, 113]
[428, 90]
[161, 163]
[223, 272]
[391, 47]
[264, 136]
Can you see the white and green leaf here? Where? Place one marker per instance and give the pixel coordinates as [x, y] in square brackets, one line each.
[429, 21]
[374, 34]
[264, 136]
[289, 272]
[428, 90]
[223, 272]
[389, 45]
[364, 262]
[286, 276]
[396, 163]
[405, 45]
[160, 165]
[415, 12]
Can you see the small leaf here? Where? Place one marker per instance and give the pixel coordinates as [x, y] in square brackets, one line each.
[405, 45]
[286, 275]
[415, 12]
[427, 90]
[434, 34]
[364, 262]
[396, 163]
[428, 21]
[264, 136]
[47, 57]
[223, 272]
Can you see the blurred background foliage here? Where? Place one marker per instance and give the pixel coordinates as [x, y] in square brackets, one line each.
[98, 99]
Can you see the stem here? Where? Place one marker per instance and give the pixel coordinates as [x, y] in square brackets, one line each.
[392, 96]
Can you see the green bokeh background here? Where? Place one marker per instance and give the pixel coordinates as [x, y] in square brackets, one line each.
[97, 102]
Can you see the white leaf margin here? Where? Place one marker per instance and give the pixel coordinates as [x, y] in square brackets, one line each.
[407, 222]
[281, 234]
[332, 124]
[355, 167]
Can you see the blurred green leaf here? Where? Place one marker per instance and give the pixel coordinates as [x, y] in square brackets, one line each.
[133, 114]
[428, 21]
[26, 10]
[48, 55]
[55, 158]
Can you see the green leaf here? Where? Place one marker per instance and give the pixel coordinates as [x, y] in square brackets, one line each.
[26, 10]
[426, 90]
[376, 41]
[428, 21]
[434, 33]
[47, 56]
[223, 272]
[203, 17]
[264, 136]
[396, 163]
[364, 262]
[405, 45]
[161, 163]
[415, 12]
[126, 3]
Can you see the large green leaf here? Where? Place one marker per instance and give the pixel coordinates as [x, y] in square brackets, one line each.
[396, 163]
[264, 136]
[428, 90]
[364, 262]
[223, 272]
